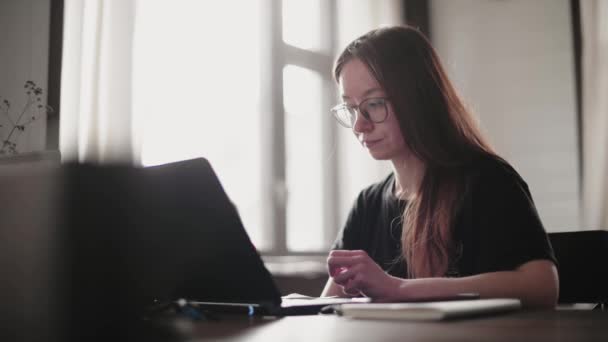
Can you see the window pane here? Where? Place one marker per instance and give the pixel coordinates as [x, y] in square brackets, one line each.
[195, 92]
[302, 95]
[302, 23]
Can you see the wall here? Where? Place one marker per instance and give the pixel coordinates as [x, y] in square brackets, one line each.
[24, 41]
[513, 62]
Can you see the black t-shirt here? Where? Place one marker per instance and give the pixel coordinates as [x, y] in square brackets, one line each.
[497, 227]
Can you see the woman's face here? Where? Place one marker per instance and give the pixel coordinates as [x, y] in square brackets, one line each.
[383, 140]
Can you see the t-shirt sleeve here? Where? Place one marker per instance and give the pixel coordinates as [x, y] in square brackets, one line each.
[350, 235]
[508, 231]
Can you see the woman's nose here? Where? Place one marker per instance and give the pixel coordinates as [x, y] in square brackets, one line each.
[361, 124]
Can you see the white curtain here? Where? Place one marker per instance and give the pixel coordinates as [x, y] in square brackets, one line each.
[594, 18]
[96, 110]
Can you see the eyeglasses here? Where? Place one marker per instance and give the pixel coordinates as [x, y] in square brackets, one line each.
[373, 109]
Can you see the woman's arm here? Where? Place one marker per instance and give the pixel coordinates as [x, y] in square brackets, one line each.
[332, 289]
[535, 282]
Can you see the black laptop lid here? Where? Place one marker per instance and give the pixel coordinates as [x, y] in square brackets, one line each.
[172, 230]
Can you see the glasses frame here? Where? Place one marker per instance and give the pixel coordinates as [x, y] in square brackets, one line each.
[343, 106]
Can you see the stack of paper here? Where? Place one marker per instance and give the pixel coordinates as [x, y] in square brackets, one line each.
[432, 311]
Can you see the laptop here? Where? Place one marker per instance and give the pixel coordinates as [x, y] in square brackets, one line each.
[177, 236]
[222, 270]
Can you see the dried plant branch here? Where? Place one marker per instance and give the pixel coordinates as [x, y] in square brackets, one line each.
[33, 108]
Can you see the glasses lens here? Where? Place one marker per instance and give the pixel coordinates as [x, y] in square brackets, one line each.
[375, 109]
[343, 116]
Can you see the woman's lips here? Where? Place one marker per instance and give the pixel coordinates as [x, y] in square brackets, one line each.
[371, 143]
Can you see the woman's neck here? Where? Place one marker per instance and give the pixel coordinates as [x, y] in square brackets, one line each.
[408, 176]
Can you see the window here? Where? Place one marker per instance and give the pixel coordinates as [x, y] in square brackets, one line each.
[301, 23]
[303, 158]
[249, 90]
[195, 83]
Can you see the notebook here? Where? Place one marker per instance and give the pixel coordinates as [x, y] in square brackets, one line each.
[432, 311]
[193, 246]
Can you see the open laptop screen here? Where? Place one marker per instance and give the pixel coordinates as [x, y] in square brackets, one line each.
[169, 230]
[190, 238]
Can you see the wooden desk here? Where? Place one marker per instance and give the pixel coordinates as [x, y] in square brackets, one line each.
[514, 327]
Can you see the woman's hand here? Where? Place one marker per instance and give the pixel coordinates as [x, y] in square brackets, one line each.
[358, 274]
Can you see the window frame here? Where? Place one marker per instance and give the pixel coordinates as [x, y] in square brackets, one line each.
[275, 55]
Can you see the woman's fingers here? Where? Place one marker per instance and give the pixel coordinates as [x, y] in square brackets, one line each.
[342, 277]
[348, 269]
[336, 271]
[340, 259]
[354, 284]
[345, 261]
[336, 264]
[352, 294]
[345, 252]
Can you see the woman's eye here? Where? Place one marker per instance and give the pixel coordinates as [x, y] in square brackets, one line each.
[375, 103]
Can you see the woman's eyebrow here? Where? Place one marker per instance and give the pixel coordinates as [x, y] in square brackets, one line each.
[371, 91]
[365, 93]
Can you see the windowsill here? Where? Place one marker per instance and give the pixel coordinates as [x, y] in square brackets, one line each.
[308, 266]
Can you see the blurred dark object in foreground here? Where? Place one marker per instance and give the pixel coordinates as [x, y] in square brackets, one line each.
[30, 309]
[69, 260]
[88, 251]
[583, 277]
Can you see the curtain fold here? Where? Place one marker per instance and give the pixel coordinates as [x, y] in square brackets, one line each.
[594, 19]
[96, 124]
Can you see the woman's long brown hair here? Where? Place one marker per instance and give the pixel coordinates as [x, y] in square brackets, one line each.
[437, 128]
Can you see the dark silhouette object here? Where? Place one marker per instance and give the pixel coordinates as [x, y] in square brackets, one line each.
[583, 266]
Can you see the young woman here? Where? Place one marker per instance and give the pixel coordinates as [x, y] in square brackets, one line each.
[453, 217]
